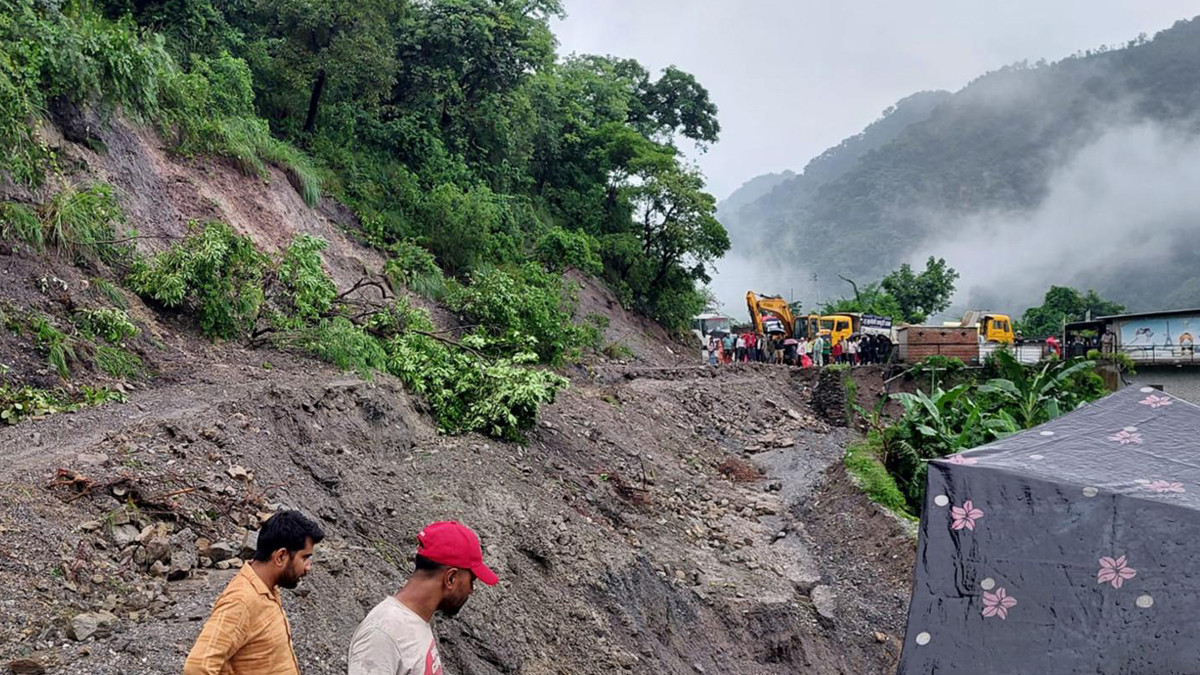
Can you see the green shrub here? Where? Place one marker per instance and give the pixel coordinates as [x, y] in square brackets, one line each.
[111, 292]
[93, 396]
[17, 404]
[559, 249]
[112, 325]
[307, 287]
[55, 344]
[82, 224]
[496, 397]
[413, 267]
[527, 309]
[213, 271]
[619, 351]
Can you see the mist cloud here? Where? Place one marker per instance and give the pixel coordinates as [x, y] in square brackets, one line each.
[1131, 196]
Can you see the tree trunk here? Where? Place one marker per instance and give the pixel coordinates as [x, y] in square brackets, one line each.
[314, 102]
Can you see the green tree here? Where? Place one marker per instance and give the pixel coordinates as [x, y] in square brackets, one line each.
[306, 52]
[919, 295]
[1063, 304]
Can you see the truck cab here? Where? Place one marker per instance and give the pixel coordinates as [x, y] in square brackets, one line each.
[996, 328]
[838, 327]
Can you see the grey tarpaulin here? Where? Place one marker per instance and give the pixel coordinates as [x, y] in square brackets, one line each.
[1073, 547]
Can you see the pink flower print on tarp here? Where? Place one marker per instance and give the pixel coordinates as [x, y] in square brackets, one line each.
[1165, 486]
[1156, 401]
[962, 461]
[1125, 437]
[998, 603]
[965, 516]
[1116, 572]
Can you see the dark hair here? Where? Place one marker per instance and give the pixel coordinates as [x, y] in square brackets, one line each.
[426, 565]
[286, 529]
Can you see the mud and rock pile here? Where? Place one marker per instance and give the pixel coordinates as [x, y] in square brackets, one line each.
[662, 517]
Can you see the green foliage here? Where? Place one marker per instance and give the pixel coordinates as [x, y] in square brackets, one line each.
[111, 292]
[72, 52]
[1121, 360]
[93, 396]
[19, 223]
[17, 404]
[946, 421]
[559, 249]
[938, 369]
[497, 397]
[117, 362]
[307, 287]
[213, 271]
[525, 309]
[1063, 305]
[112, 325]
[82, 224]
[619, 351]
[338, 341]
[21, 403]
[1039, 394]
[413, 267]
[58, 347]
[863, 462]
[919, 295]
[871, 299]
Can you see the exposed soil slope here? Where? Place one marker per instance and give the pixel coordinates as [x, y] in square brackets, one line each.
[664, 516]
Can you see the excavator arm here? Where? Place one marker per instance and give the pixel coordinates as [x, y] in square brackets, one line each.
[769, 306]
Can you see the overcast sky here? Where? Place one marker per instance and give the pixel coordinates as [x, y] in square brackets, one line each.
[793, 77]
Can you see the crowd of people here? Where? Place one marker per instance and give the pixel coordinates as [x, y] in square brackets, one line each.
[749, 347]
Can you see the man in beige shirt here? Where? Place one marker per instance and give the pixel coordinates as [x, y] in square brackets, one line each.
[248, 633]
[396, 637]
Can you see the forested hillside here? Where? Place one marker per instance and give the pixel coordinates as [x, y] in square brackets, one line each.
[1034, 160]
[449, 127]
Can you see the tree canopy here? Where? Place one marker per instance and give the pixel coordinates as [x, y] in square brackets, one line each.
[1062, 305]
[452, 124]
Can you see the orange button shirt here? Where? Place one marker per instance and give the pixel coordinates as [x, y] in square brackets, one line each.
[247, 633]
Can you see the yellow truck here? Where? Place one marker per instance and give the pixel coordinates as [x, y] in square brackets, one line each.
[992, 327]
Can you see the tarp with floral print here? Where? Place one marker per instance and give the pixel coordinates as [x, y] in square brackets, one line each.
[1070, 548]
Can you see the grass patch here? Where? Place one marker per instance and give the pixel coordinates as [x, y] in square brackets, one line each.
[82, 223]
[117, 362]
[19, 223]
[111, 292]
[862, 461]
[619, 351]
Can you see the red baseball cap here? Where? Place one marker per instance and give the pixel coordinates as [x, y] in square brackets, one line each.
[451, 543]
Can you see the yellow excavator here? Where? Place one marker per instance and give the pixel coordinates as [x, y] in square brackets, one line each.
[770, 314]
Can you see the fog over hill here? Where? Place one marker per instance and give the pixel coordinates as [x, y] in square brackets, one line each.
[1079, 172]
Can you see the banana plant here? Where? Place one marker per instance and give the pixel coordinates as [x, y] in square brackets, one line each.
[1033, 394]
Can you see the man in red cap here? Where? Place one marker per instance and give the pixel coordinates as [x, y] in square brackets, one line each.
[396, 637]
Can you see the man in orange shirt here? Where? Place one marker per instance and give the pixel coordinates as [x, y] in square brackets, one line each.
[248, 632]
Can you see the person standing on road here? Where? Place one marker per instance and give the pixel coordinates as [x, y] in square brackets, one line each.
[396, 637]
[816, 352]
[248, 632]
[740, 347]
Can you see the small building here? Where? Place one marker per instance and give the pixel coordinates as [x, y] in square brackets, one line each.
[1161, 346]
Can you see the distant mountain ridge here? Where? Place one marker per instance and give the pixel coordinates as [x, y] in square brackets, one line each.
[986, 159]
